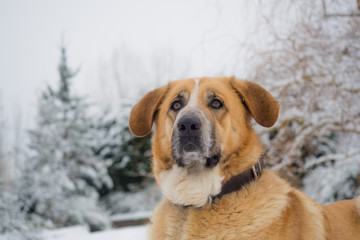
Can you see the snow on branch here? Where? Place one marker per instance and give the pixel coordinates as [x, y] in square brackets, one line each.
[332, 157]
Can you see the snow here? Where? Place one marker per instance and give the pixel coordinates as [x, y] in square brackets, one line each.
[81, 232]
[130, 233]
[140, 203]
[76, 232]
[322, 182]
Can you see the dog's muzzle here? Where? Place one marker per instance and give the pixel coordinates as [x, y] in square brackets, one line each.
[192, 143]
[189, 129]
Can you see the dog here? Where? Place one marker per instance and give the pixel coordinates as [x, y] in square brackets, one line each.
[207, 161]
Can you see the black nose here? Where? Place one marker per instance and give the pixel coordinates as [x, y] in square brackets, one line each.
[189, 126]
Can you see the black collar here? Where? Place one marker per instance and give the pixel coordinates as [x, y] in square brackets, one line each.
[237, 182]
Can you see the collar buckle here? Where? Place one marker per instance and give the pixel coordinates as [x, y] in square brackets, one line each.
[254, 172]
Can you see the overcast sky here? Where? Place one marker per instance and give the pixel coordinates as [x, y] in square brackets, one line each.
[202, 31]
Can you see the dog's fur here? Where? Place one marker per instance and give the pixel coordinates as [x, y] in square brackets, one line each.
[222, 145]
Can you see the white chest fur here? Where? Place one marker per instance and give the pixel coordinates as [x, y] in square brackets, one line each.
[195, 189]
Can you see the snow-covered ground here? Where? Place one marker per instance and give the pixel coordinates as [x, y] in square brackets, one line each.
[81, 232]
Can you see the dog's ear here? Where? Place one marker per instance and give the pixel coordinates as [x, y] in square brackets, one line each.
[142, 114]
[261, 104]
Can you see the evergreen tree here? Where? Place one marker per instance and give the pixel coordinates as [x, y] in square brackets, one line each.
[130, 157]
[64, 177]
[131, 161]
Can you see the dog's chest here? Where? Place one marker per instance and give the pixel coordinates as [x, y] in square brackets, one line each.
[225, 220]
[235, 216]
[215, 222]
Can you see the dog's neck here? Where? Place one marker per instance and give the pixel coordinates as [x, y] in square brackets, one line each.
[197, 190]
[236, 183]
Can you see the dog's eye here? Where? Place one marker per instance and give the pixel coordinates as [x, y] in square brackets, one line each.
[216, 104]
[176, 105]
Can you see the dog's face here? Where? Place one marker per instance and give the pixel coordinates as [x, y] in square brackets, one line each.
[202, 126]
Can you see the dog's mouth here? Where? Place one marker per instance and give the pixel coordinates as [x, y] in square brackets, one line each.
[190, 147]
[195, 160]
[199, 165]
[196, 155]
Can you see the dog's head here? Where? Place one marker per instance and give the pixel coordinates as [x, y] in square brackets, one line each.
[203, 133]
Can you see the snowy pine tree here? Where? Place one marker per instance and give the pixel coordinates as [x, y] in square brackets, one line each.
[131, 161]
[63, 177]
[129, 156]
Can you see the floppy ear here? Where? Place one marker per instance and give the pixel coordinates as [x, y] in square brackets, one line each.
[261, 104]
[142, 114]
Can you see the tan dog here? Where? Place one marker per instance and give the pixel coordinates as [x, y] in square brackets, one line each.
[207, 162]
